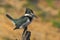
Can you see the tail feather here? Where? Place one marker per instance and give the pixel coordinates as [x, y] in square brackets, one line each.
[9, 17]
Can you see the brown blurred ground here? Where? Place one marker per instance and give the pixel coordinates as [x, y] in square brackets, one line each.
[39, 30]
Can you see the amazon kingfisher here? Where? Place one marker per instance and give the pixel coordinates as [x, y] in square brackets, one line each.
[23, 21]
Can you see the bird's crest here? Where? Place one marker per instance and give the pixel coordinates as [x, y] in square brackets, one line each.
[28, 11]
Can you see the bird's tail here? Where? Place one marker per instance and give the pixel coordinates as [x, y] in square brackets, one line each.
[9, 17]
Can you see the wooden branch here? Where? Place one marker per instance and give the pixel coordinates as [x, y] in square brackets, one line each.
[26, 35]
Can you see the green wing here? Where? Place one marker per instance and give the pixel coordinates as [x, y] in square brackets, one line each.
[20, 21]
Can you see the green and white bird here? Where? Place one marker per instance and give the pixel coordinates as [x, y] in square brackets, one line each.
[23, 21]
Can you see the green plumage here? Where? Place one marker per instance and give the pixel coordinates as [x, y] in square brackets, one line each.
[19, 22]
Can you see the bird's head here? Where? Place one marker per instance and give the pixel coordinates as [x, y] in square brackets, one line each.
[29, 13]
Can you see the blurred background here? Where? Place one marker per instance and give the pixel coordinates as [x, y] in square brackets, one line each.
[45, 27]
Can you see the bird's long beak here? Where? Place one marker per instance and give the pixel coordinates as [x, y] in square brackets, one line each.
[35, 16]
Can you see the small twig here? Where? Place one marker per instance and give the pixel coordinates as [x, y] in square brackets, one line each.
[25, 29]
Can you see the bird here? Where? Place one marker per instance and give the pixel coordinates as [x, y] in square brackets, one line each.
[23, 21]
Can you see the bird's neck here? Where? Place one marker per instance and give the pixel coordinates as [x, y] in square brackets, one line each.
[29, 16]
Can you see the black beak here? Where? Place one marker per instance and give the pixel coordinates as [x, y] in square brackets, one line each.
[35, 16]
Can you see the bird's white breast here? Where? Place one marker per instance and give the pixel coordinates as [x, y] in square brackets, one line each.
[26, 23]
